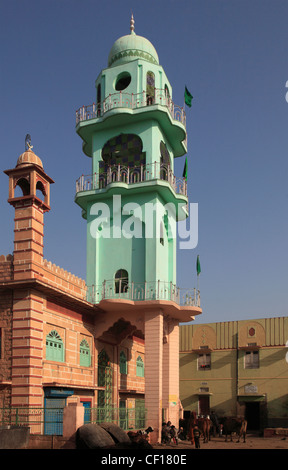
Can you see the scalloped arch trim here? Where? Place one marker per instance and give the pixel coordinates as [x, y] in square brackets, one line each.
[131, 54]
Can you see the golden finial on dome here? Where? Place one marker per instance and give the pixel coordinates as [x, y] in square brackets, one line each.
[132, 22]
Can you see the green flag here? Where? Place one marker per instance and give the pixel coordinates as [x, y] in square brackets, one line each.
[188, 97]
[198, 267]
[185, 171]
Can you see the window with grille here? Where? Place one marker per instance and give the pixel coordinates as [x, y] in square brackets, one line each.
[123, 363]
[251, 360]
[85, 356]
[140, 414]
[139, 367]
[54, 347]
[104, 380]
[204, 361]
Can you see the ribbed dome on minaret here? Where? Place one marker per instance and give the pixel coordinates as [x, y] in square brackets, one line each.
[131, 47]
[27, 158]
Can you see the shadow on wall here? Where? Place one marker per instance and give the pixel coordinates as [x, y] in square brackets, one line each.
[14, 437]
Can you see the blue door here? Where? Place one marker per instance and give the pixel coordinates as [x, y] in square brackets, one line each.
[87, 411]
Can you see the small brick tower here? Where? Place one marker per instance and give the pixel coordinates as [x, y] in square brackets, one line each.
[29, 211]
[27, 327]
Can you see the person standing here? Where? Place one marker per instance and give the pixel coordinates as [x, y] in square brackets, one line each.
[196, 434]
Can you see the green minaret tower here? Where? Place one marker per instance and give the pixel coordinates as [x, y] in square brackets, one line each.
[132, 200]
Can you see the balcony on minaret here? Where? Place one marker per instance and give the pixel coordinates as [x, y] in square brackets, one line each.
[133, 102]
[127, 108]
[131, 175]
[115, 289]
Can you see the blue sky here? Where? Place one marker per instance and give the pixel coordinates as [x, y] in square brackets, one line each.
[232, 55]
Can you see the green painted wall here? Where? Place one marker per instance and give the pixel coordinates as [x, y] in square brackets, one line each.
[145, 259]
[138, 70]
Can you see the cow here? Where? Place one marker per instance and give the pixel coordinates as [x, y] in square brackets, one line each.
[215, 424]
[203, 425]
[237, 425]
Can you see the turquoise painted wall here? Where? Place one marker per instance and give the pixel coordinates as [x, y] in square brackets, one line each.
[149, 132]
[138, 70]
[145, 259]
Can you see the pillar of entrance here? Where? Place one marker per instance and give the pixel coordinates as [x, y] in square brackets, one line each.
[73, 416]
[171, 371]
[153, 372]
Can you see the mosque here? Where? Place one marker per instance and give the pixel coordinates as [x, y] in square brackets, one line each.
[110, 341]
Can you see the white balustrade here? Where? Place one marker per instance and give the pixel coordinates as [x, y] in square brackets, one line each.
[132, 175]
[158, 290]
[131, 101]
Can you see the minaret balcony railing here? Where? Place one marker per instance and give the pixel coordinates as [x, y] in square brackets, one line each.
[132, 175]
[131, 101]
[158, 290]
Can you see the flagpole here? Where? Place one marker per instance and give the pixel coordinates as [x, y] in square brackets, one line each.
[184, 101]
[198, 269]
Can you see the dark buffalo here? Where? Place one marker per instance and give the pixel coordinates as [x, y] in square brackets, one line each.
[235, 425]
[215, 424]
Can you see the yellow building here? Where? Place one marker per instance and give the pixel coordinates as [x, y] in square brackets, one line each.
[236, 368]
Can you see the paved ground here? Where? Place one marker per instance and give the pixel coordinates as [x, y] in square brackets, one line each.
[252, 442]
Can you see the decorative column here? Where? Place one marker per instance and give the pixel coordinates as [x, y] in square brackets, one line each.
[153, 371]
[27, 347]
[171, 370]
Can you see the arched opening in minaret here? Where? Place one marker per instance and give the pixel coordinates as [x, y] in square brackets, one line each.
[165, 156]
[150, 88]
[125, 150]
[40, 190]
[22, 188]
[167, 93]
[165, 161]
[121, 281]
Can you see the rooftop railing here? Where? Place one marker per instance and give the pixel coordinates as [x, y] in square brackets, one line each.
[131, 101]
[159, 290]
[131, 175]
